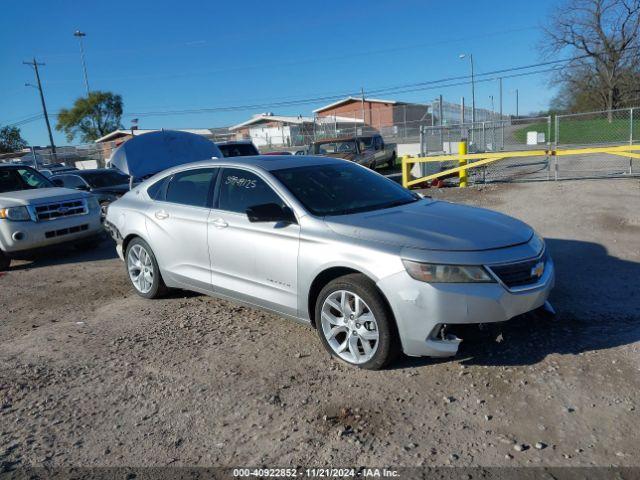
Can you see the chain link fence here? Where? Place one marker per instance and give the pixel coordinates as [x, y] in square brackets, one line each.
[426, 130]
[583, 130]
[93, 155]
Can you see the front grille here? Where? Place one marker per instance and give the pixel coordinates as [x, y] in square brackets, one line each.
[52, 211]
[521, 273]
[66, 231]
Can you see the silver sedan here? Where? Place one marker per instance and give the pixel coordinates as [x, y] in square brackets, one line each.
[374, 268]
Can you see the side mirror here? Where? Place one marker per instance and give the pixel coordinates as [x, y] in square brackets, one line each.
[82, 187]
[57, 182]
[270, 212]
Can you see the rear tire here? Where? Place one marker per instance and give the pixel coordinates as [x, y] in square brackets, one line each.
[5, 262]
[143, 270]
[355, 324]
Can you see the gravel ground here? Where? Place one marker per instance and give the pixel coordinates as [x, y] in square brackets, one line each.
[93, 375]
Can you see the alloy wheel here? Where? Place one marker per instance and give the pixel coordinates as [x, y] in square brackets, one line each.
[349, 326]
[140, 268]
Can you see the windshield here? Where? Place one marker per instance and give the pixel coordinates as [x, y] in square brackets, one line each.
[105, 179]
[335, 147]
[367, 141]
[238, 150]
[340, 189]
[22, 178]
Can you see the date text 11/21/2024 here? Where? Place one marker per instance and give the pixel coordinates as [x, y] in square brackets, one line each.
[315, 472]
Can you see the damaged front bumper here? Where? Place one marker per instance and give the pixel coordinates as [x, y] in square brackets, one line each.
[422, 310]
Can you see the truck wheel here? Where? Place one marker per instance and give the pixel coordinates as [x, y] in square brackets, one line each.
[392, 160]
[355, 324]
[5, 262]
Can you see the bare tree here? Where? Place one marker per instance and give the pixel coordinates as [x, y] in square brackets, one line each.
[604, 36]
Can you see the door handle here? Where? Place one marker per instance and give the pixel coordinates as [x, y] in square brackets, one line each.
[219, 223]
[161, 215]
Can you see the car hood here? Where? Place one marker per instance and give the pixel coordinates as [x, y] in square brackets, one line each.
[434, 225]
[38, 196]
[149, 153]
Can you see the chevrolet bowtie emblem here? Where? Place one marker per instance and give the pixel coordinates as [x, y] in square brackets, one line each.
[537, 270]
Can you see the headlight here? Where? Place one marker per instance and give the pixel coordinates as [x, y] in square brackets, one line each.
[15, 214]
[93, 203]
[434, 273]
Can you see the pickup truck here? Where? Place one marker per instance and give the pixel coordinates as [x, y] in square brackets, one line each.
[369, 150]
[35, 214]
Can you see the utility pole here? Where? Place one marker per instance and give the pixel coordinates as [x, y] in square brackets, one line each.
[500, 84]
[35, 66]
[363, 120]
[80, 35]
[517, 104]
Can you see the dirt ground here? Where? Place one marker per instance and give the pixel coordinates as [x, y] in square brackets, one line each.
[93, 375]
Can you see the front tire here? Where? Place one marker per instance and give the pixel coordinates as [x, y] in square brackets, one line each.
[143, 270]
[392, 161]
[354, 323]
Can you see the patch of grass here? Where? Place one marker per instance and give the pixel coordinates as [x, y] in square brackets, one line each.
[584, 131]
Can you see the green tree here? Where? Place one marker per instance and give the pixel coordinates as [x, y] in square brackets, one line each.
[11, 140]
[91, 117]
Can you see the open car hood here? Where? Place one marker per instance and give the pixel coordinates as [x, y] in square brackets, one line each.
[153, 152]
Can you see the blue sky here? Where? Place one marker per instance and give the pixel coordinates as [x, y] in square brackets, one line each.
[167, 55]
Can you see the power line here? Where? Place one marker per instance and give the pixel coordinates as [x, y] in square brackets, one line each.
[23, 120]
[406, 88]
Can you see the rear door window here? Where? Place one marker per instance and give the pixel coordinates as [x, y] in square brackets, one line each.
[191, 187]
[156, 191]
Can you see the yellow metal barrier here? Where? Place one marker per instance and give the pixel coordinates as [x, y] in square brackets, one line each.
[487, 158]
[462, 151]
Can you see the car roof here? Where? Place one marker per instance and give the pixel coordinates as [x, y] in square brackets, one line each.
[347, 138]
[15, 165]
[235, 142]
[264, 162]
[88, 170]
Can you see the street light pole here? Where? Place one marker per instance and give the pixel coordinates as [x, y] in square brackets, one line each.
[35, 66]
[80, 35]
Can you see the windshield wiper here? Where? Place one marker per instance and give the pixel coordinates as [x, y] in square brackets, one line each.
[371, 208]
[398, 203]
